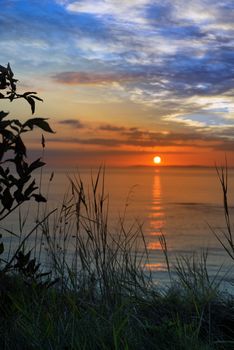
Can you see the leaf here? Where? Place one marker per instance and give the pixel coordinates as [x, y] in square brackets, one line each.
[12, 179]
[15, 128]
[20, 165]
[3, 83]
[2, 151]
[32, 187]
[39, 198]
[36, 164]
[31, 102]
[51, 176]
[11, 74]
[4, 124]
[3, 69]
[22, 259]
[40, 123]
[8, 135]
[19, 146]
[36, 97]
[12, 96]
[2, 172]
[17, 122]
[3, 115]
[32, 267]
[19, 197]
[42, 141]
[29, 93]
[1, 248]
[7, 199]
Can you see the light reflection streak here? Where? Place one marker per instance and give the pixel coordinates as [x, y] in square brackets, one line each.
[156, 267]
[154, 245]
[157, 215]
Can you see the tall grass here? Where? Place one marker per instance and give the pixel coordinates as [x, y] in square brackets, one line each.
[86, 255]
[99, 295]
[225, 237]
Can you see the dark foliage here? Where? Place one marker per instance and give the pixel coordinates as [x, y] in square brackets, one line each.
[17, 184]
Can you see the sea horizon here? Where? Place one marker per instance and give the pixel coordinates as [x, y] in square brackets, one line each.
[178, 202]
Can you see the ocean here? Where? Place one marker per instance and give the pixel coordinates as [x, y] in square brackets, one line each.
[183, 204]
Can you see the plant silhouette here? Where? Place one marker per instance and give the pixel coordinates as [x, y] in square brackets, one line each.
[17, 184]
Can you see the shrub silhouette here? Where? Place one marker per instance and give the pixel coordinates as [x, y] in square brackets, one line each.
[16, 182]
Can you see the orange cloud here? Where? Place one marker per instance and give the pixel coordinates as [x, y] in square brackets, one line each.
[92, 78]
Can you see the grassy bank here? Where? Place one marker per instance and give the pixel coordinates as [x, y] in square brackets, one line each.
[82, 286]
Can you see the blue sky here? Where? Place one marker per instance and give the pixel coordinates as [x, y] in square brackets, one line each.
[159, 66]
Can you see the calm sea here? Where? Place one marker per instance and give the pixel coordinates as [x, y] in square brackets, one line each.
[181, 203]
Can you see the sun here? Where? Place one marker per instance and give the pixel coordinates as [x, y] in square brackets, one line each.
[157, 160]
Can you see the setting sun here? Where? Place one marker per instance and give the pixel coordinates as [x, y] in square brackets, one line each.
[157, 160]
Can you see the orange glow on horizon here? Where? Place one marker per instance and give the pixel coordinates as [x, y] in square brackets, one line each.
[71, 151]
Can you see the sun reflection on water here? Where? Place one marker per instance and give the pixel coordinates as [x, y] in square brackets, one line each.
[157, 214]
[154, 245]
[156, 267]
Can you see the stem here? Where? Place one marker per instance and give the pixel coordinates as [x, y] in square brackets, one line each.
[25, 239]
[10, 211]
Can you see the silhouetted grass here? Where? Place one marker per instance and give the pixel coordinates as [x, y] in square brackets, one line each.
[92, 290]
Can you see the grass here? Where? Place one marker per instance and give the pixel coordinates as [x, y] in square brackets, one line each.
[84, 286]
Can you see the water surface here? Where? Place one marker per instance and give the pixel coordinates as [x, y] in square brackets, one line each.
[181, 203]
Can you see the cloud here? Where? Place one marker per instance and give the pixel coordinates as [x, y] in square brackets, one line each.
[153, 141]
[74, 123]
[116, 137]
[130, 10]
[227, 146]
[145, 139]
[92, 78]
[114, 128]
[173, 57]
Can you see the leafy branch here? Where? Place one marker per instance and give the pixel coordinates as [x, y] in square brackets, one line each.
[8, 84]
[16, 182]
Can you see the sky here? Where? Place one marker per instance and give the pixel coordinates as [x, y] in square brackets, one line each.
[125, 80]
